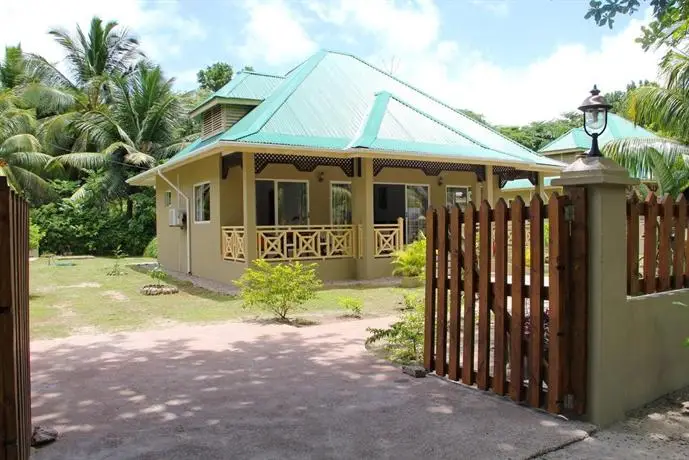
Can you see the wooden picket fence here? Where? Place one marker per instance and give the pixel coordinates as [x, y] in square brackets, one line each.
[657, 230]
[15, 383]
[498, 333]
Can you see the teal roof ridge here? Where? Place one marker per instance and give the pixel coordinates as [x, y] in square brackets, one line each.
[261, 74]
[257, 118]
[371, 125]
[562, 136]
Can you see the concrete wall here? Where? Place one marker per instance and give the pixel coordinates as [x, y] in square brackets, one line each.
[656, 361]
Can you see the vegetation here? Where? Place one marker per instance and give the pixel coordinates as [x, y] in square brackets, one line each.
[403, 340]
[116, 269]
[152, 249]
[351, 305]
[411, 261]
[158, 275]
[35, 235]
[215, 76]
[280, 289]
[84, 299]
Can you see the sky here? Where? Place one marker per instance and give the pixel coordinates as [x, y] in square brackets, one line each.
[514, 61]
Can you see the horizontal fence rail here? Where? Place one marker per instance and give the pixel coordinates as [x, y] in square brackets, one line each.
[657, 244]
[15, 380]
[497, 315]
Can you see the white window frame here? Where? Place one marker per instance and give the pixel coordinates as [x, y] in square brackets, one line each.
[330, 198]
[167, 198]
[448, 186]
[275, 197]
[196, 186]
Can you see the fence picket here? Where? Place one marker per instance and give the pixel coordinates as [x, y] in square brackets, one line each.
[484, 297]
[441, 307]
[650, 240]
[536, 302]
[517, 323]
[500, 297]
[578, 295]
[468, 341]
[678, 252]
[633, 245]
[455, 291]
[429, 323]
[664, 263]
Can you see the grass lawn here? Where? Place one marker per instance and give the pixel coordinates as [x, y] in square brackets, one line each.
[68, 300]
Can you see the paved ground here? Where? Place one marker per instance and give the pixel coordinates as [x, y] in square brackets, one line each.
[254, 391]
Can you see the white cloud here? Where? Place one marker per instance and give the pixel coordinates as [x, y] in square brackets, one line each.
[274, 33]
[497, 7]
[407, 40]
[160, 27]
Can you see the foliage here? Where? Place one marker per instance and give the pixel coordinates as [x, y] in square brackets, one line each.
[215, 76]
[411, 261]
[90, 226]
[411, 301]
[404, 338]
[152, 249]
[158, 275]
[537, 134]
[278, 288]
[116, 269]
[352, 305]
[474, 116]
[35, 236]
[12, 67]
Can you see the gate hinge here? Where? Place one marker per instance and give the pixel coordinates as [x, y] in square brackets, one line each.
[569, 213]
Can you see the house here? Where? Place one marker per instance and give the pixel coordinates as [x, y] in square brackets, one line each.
[335, 162]
[573, 143]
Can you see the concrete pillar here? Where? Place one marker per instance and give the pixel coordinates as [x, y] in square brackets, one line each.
[249, 211]
[490, 186]
[605, 182]
[362, 216]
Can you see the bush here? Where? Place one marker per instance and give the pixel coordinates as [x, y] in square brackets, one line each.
[411, 261]
[152, 249]
[35, 235]
[90, 226]
[404, 338]
[353, 306]
[278, 288]
[158, 275]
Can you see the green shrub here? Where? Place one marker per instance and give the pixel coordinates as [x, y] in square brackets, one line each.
[278, 288]
[152, 249]
[35, 235]
[353, 306]
[158, 275]
[411, 261]
[404, 338]
[411, 301]
[116, 269]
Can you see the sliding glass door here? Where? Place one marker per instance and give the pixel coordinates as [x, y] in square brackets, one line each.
[282, 202]
[416, 207]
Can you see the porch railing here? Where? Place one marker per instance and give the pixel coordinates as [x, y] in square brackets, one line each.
[388, 238]
[306, 242]
[233, 244]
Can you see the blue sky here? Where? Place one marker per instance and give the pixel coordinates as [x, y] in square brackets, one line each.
[513, 60]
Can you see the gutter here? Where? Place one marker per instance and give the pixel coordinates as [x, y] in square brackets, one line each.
[186, 199]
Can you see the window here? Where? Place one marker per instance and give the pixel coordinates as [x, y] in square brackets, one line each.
[167, 198]
[460, 196]
[202, 202]
[282, 202]
[340, 203]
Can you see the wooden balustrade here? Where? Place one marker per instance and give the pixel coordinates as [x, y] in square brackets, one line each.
[233, 244]
[388, 238]
[306, 242]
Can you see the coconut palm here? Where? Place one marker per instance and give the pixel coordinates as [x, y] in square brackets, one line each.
[666, 109]
[132, 133]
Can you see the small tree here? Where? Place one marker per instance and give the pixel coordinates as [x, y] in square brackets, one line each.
[158, 275]
[404, 338]
[278, 288]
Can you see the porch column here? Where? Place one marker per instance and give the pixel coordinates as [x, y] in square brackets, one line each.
[362, 213]
[249, 212]
[539, 186]
[489, 186]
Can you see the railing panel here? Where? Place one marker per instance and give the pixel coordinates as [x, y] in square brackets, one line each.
[233, 244]
[306, 242]
[388, 238]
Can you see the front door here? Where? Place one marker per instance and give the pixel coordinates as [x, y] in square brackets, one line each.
[415, 212]
[410, 202]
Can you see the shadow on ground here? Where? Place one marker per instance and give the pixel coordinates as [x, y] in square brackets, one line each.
[249, 391]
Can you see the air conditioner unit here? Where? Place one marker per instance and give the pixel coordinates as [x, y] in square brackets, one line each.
[176, 218]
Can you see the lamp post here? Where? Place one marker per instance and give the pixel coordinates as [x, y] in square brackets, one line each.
[595, 110]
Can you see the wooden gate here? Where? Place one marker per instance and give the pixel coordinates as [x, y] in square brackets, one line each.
[15, 384]
[515, 281]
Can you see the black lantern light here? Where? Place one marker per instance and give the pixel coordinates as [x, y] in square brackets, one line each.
[595, 118]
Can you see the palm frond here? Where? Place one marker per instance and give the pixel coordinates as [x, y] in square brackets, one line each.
[84, 160]
[633, 153]
[20, 143]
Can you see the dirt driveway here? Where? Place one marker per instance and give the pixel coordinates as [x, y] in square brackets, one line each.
[240, 390]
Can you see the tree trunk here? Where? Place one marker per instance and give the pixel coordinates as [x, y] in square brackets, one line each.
[130, 208]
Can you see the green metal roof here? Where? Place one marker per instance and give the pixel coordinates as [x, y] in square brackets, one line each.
[246, 85]
[577, 139]
[520, 184]
[337, 101]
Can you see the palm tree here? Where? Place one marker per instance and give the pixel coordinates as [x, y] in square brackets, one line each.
[666, 109]
[132, 133]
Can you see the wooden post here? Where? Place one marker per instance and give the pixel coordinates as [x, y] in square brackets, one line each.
[400, 233]
[484, 297]
[441, 334]
[517, 322]
[469, 294]
[681, 225]
[455, 291]
[536, 302]
[664, 261]
[650, 241]
[249, 212]
[633, 245]
[429, 321]
[500, 296]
